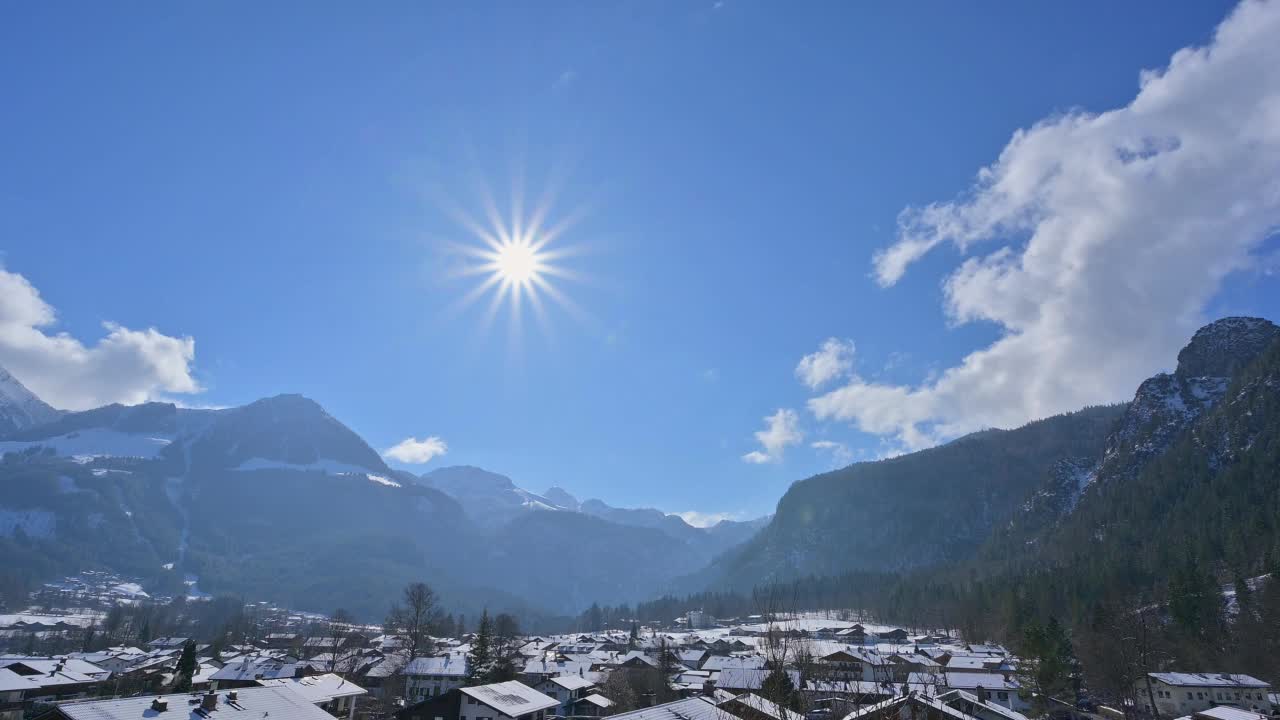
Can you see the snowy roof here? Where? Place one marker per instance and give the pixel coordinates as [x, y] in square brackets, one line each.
[572, 682]
[511, 698]
[440, 665]
[1209, 680]
[277, 703]
[47, 672]
[255, 668]
[10, 680]
[598, 700]
[951, 697]
[317, 689]
[695, 708]
[768, 707]
[749, 679]
[915, 698]
[973, 680]
[972, 662]
[1226, 712]
[720, 662]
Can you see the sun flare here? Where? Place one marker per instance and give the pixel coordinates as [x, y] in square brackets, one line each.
[519, 266]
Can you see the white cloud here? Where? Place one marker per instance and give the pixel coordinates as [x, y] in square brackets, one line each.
[782, 429]
[834, 359]
[126, 366]
[1115, 230]
[841, 455]
[416, 452]
[702, 520]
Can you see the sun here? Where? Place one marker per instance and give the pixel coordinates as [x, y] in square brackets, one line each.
[519, 263]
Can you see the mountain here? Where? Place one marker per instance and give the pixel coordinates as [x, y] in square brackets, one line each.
[19, 407]
[490, 499]
[1187, 470]
[278, 500]
[925, 508]
[1063, 513]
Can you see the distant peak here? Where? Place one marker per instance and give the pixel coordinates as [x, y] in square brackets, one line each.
[1223, 347]
[561, 497]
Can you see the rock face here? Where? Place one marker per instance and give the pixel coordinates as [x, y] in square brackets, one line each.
[19, 407]
[1167, 404]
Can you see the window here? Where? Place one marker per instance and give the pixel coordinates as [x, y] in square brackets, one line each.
[1002, 695]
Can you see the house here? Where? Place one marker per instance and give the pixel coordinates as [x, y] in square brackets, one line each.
[978, 706]
[993, 687]
[249, 669]
[500, 701]
[1225, 712]
[1177, 694]
[431, 676]
[750, 706]
[698, 620]
[258, 702]
[567, 690]
[898, 635]
[331, 693]
[696, 708]
[922, 706]
[591, 706]
[738, 681]
[26, 680]
[167, 643]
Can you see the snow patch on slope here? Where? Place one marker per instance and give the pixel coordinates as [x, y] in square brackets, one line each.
[85, 445]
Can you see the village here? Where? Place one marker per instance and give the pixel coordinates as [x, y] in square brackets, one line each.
[773, 666]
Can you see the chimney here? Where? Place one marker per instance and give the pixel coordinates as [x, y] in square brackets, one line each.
[647, 699]
[982, 694]
[232, 696]
[159, 704]
[708, 687]
[209, 702]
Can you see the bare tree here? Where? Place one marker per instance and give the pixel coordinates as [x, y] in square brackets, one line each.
[339, 632]
[415, 619]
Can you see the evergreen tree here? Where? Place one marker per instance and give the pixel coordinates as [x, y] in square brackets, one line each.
[186, 668]
[480, 657]
[634, 640]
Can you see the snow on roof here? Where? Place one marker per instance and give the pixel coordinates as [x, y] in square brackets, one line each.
[974, 680]
[770, 708]
[10, 680]
[915, 698]
[1209, 680]
[1226, 712]
[317, 689]
[511, 698]
[695, 708]
[750, 679]
[572, 682]
[439, 665]
[598, 700]
[953, 695]
[972, 662]
[255, 668]
[720, 662]
[277, 703]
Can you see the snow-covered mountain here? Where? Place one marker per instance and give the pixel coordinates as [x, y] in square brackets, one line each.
[281, 501]
[490, 499]
[19, 407]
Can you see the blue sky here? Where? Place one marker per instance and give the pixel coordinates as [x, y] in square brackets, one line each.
[273, 181]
